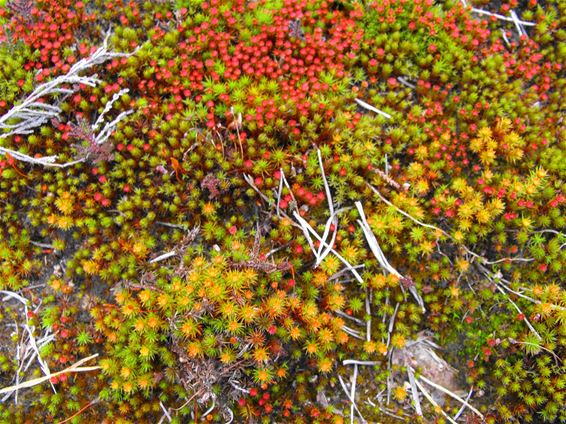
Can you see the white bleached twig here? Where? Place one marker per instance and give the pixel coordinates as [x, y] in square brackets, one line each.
[309, 229]
[29, 347]
[107, 107]
[378, 253]
[432, 227]
[368, 313]
[372, 108]
[332, 220]
[339, 274]
[352, 332]
[356, 362]
[493, 279]
[163, 257]
[535, 332]
[165, 412]
[353, 392]
[209, 410]
[167, 224]
[351, 318]
[391, 325]
[106, 132]
[452, 395]
[414, 392]
[31, 113]
[501, 17]
[406, 83]
[432, 401]
[76, 367]
[279, 192]
[463, 407]
[517, 23]
[48, 161]
[325, 247]
[505, 38]
[345, 388]
[231, 414]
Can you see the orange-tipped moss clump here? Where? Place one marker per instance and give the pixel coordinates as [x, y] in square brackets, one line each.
[282, 211]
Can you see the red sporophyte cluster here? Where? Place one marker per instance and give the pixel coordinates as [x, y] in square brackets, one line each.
[295, 63]
[456, 21]
[225, 98]
[305, 195]
[49, 29]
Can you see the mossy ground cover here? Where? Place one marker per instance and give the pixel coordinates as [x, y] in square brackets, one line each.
[282, 211]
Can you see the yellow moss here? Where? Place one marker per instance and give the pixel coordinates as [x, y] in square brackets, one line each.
[336, 302]
[145, 296]
[65, 203]
[538, 290]
[295, 333]
[422, 186]
[64, 222]
[476, 145]
[370, 347]
[125, 372]
[400, 393]
[190, 328]
[139, 325]
[395, 224]
[263, 376]
[274, 306]
[209, 209]
[325, 365]
[458, 236]
[144, 382]
[153, 322]
[526, 222]
[228, 308]
[342, 338]
[227, 356]
[427, 247]
[330, 265]
[392, 280]
[554, 291]
[216, 292]
[319, 278]
[261, 355]
[378, 281]
[454, 291]
[139, 249]
[56, 284]
[128, 387]
[496, 205]
[121, 296]
[233, 326]
[465, 211]
[194, 350]
[421, 152]
[129, 309]
[483, 216]
[248, 313]
[311, 348]
[398, 341]
[325, 336]
[163, 300]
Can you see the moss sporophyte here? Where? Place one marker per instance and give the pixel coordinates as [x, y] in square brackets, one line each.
[281, 211]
